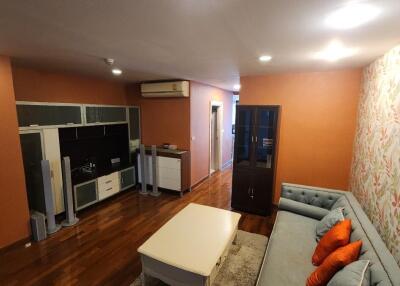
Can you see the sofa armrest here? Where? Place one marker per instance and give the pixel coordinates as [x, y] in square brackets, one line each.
[302, 209]
[318, 197]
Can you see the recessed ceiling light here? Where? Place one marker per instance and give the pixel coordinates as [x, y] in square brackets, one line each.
[351, 16]
[265, 58]
[116, 71]
[335, 51]
[236, 87]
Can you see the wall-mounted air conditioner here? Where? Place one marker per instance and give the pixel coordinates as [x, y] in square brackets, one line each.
[165, 89]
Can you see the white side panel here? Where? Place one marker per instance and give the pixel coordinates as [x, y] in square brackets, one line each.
[52, 153]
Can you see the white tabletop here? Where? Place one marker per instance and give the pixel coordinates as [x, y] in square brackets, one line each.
[194, 239]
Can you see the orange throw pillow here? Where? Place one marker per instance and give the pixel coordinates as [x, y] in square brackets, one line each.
[337, 236]
[334, 262]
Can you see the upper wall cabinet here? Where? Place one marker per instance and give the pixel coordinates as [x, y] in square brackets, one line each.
[30, 114]
[105, 114]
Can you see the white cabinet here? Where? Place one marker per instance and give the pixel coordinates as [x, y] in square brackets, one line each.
[108, 185]
[168, 172]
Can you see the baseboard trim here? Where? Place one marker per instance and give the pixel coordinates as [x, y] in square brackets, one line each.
[16, 244]
[199, 182]
[227, 164]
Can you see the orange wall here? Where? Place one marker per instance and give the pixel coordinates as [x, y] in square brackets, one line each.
[163, 120]
[318, 118]
[46, 86]
[201, 96]
[14, 218]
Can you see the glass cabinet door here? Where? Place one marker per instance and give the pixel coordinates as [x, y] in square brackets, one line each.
[265, 137]
[244, 125]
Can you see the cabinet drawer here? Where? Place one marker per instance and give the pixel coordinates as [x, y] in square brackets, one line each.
[174, 174]
[168, 183]
[111, 190]
[171, 163]
[108, 180]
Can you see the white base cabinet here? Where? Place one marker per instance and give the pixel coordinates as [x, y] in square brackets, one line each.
[91, 192]
[168, 172]
[108, 185]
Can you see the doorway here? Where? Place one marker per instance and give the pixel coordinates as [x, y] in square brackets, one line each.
[215, 136]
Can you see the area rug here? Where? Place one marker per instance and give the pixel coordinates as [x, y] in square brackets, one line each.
[241, 267]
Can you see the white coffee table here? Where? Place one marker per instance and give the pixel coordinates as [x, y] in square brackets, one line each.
[190, 248]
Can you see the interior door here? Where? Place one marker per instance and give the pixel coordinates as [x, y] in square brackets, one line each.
[31, 146]
[244, 136]
[213, 139]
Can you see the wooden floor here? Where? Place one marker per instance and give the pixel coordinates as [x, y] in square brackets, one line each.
[101, 249]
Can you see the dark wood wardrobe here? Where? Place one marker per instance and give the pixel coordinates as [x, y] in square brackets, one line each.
[254, 158]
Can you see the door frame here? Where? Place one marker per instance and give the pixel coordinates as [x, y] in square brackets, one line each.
[220, 131]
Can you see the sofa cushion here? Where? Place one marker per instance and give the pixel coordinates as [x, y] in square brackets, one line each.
[328, 221]
[354, 274]
[333, 263]
[287, 260]
[337, 236]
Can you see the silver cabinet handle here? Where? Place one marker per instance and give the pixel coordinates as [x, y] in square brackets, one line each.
[252, 193]
[256, 139]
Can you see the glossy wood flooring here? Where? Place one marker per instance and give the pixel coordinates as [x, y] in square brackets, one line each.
[101, 249]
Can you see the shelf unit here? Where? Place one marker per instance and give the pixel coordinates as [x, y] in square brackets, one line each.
[254, 158]
[93, 191]
[45, 118]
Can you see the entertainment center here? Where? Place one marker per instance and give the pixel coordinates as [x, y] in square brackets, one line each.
[98, 139]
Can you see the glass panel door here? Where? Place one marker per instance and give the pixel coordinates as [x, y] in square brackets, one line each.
[264, 137]
[243, 136]
[31, 146]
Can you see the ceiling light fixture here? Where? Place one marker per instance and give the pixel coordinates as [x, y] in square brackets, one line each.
[116, 71]
[265, 58]
[236, 87]
[351, 16]
[335, 51]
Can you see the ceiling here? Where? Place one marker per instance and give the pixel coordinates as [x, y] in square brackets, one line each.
[211, 41]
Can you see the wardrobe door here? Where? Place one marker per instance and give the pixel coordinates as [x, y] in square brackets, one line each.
[262, 191]
[241, 189]
[244, 136]
[264, 137]
[31, 146]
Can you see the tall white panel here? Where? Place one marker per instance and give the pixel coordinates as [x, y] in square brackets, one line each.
[52, 153]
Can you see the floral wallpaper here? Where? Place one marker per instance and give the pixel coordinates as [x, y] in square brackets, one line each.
[375, 174]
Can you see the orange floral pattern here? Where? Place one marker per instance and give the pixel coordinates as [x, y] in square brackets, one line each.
[375, 173]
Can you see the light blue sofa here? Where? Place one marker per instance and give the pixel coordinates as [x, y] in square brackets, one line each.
[287, 260]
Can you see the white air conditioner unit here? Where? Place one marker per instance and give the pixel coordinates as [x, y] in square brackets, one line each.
[165, 89]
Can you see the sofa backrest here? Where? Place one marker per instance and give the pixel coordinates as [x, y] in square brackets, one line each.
[384, 269]
[318, 197]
